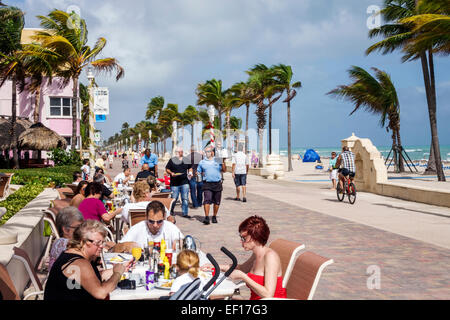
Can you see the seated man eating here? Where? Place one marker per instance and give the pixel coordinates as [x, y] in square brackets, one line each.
[153, 228]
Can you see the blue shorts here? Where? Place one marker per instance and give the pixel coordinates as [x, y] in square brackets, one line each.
[240, 180]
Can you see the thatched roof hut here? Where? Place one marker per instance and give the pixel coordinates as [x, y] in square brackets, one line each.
[5, 128]
[39, 137]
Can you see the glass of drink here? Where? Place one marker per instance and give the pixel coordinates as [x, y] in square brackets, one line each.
[169, 256]
[136, 253]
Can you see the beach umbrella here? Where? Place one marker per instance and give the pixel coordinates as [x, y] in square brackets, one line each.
[39, 137]
[6, 141]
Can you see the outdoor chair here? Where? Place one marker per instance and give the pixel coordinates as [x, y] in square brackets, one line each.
[22, 256]
[305, 275]
[59, 204]
[50, 218]
[136, 216]
[288, 252]
[63, 191]
[167, 202]
[161, 195]
[7, 289]
[72, 186]
[5, 179]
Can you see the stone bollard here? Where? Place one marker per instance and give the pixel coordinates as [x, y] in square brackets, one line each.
[275, 167]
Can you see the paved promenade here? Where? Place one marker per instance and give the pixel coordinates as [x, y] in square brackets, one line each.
[407, 242]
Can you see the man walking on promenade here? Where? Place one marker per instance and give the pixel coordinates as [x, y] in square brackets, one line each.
[152, 160]
[179, 168]
[212, 183]
[194, 185]
[239, 171]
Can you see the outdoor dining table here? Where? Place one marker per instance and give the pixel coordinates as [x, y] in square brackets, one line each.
[225, 289]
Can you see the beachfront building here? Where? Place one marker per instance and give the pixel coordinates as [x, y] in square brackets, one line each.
[55, 106]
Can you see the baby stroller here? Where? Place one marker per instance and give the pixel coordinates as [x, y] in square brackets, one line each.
[192, 291]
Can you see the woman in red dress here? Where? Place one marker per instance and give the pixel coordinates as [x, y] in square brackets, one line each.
[262, 272]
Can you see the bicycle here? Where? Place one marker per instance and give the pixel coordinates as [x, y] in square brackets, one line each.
[349, 189]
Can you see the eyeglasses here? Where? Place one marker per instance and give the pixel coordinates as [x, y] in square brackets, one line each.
[73, 227]
[243, 238]
[97, 243]
[155, 221]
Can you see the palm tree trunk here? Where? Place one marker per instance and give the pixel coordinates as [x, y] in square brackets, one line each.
[433, 121]
[289, 135]
[401, 164]
[426, 79]
[431, 166]
[37, 104]
[13, 138]
[74, 113]
[246, 127]
[395, 153]
[270, 130]
[192, 134]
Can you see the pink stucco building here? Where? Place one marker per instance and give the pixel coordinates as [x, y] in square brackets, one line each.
[55, 104]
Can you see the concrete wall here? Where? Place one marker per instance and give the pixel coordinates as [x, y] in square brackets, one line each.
[371, 176]
[28, 224]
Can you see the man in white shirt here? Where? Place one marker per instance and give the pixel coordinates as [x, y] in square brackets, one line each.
[239, 171]
[154, 228]
[124, 176]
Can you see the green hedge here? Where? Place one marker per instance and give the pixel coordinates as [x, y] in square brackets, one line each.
[49, 177]
[19, 199]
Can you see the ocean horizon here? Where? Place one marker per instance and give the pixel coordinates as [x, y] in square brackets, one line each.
[415, 152]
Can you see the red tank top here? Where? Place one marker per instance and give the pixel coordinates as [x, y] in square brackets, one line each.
[280, 292]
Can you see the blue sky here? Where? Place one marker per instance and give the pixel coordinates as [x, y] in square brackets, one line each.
[168, 47]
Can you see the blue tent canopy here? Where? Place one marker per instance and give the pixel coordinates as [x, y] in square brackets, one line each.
[310, 156]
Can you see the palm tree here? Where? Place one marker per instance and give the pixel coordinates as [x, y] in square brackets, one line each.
[190, 115]
[212, 93]
[284, 74]
[69, 41]
[11, 63]
[245, 95]
[432, 27]
[84, 125]
[264, 86]
[377, 96]
[399, 35]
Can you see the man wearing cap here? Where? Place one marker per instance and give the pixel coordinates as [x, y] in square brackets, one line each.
[152, 160]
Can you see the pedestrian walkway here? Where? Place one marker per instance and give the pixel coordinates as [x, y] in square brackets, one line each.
[377, 234]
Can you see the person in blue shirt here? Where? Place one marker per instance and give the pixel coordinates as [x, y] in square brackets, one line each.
[211, 170]
[152, 160]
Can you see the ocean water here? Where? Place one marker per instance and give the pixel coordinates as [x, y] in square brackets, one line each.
[414, 152]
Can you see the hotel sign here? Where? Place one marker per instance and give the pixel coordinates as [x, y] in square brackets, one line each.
[101, 101]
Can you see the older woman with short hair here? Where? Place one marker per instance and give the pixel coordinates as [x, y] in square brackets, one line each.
[74, 275]
[67, 220]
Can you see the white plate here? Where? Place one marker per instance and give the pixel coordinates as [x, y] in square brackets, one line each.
[161, 282]
[125, 256]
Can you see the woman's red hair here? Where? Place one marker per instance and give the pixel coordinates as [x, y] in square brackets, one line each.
[257, 228]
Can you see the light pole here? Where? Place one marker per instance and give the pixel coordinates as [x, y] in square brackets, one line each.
[150, 139]
[211, 112]
[91, 78]
[174, 137]
[139, 143]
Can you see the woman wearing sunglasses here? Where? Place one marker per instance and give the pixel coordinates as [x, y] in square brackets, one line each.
[262, 272]
[75, 276]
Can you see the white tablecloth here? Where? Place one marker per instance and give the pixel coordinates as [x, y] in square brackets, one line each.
[226, 288]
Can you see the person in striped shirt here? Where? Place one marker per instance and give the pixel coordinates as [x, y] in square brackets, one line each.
[346, 164]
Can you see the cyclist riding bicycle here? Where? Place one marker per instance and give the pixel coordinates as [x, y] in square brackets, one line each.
[347, 160]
